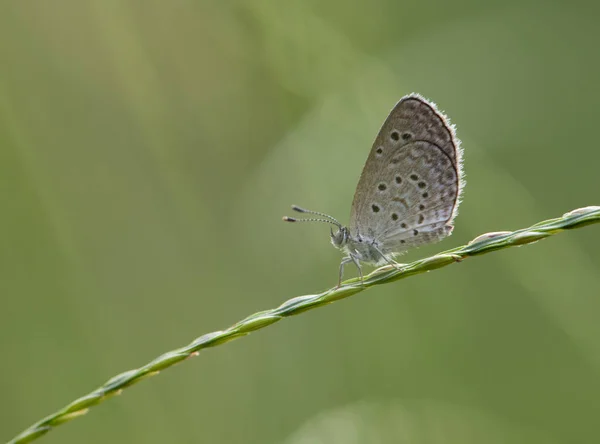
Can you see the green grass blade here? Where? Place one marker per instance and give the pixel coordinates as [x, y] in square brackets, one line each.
[485, 243]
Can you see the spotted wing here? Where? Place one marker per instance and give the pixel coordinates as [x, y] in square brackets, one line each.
[409, 190]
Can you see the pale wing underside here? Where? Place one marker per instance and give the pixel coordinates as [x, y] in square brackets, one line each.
[408, 191]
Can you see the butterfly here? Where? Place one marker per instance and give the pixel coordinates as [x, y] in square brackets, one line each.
[409, 190]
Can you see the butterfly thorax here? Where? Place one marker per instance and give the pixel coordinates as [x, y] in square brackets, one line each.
[360, 247]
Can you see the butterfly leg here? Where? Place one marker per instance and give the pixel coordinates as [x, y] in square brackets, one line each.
[392, 262]
[357, 263]
[345, 261]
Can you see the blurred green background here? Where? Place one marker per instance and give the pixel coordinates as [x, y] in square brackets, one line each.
[149, 149]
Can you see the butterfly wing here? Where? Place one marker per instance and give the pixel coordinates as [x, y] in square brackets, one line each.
[409, 189]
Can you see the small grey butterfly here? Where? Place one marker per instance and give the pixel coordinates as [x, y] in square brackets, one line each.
[409, 189]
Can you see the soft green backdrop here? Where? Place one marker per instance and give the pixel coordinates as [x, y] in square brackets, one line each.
[148, 150]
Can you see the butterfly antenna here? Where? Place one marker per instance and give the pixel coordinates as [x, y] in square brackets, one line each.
[304, 210]
[328, 219]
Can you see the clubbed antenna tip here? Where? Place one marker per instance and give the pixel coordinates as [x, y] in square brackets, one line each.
[299, 209]
[289, 219]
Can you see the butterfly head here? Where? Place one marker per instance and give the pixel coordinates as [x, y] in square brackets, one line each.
[340, 238]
